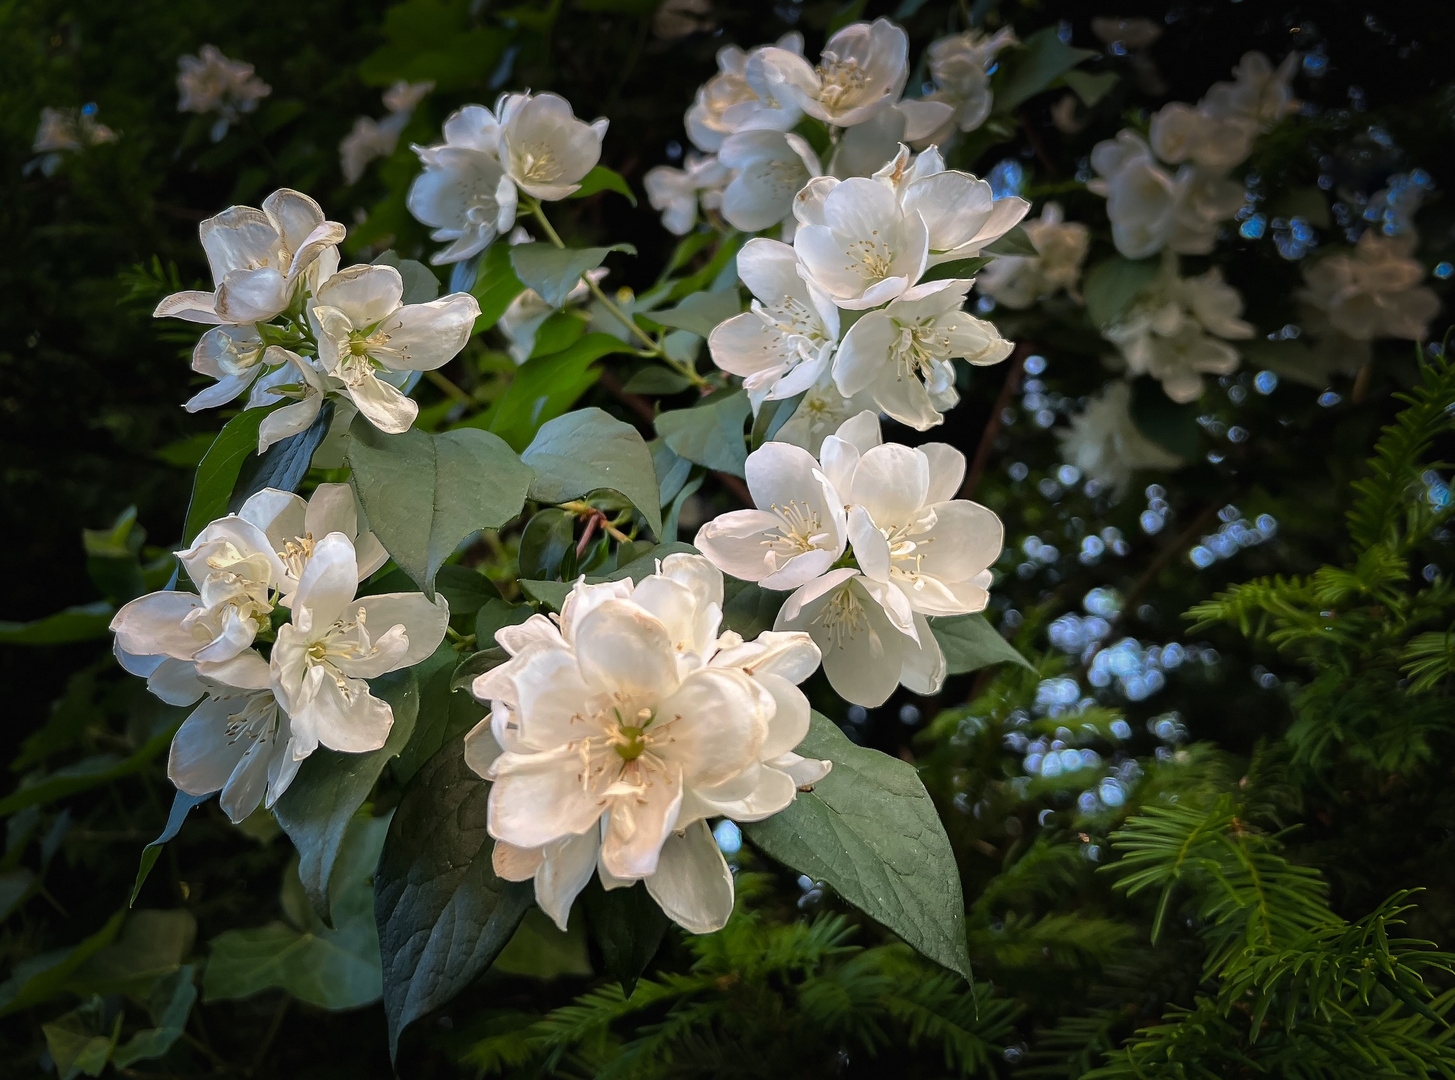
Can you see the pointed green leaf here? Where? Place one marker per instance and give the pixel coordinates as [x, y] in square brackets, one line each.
[710, 433]
[575, 454]
[970, 643]
[553, 272]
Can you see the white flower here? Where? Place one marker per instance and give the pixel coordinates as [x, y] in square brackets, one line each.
[821, 412]
[798, 531]
[293, 526]
[1134, 33]
[738, 98]
[368, 140]
[1018, 281]
[864, 148]
[1181, 133]
[675, 191]
[900, 355]
[259, 259]
[1150, 208]
[363, 334]
[69, 129]
[770, 168]
[863, 69]
[960, 65]
[210, 82]
[297, 379]
[617, 730]
[404, 97]
[1106, 445]
[335, 642]
[1260, 92]
[1373, 290]
[857, 245]
[463, 193]
[545, 150]
[782, 346]
[1178, 329]
[234, 356]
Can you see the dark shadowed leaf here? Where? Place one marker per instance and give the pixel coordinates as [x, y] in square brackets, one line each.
[587, 449]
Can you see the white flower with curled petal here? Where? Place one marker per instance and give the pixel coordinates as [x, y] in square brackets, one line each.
[619, 729]
[294, 525]
[782, 345]
[770, 168]
[900, 355]
[463, 193]
[857, 245]
[296, 380]
[738, 97]
[862, 70]
[797, 531]
[335, 642]
[363, 333]
[233, 355]
[259, 259]
[545, 150]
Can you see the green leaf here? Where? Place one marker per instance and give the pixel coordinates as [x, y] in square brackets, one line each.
[43, 977]
[1111, 286]
[1040, 61]
[495, 285]
[151, 944]
[476, 664]
[182, 805]
[330, 788]
[553, 272]
[545, 387]
[749, 609]
[548, 545]
[218, 471]
[1015, 242]
[553, 593]
[575, 454]
[170, 1003]
[600, 178]
[81, 1041]
[1171, 426]
[444, 715]
[869, 829]
[493, 616]
[958, 268]
[970, 643]
[655, 379]
[420, 284]
[88, 622]
[627, 926]
[701, 312]
[425, 493]
[284, 464]
[465, 590]
[89, 773]
[710, 433]
[433, 40]
[1091, 88]
[443, 914]
[333, 969]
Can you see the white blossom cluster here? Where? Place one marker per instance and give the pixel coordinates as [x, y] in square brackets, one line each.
[283, 574]
[211, 83]
[1018, 281]
[370, 139]
[470, 190]
[289, 325]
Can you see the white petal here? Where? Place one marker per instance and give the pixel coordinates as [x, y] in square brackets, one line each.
[566, 869]
[924, 665]
[692, 883]
[423, 337]
[383, 405]
[891, 483]
[151, 625]
[251, 296]
[365, 294]
[871, 548]
[622, 649]
[947, 470]
[327, 585]
[638, 825]
[538, 798]
[347, 717]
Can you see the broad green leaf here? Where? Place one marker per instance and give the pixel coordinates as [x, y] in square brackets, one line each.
[710, 433]
[43, 977]
[548, 545]
[81, 1041]
[88, 622]
[970, 643]
[476, 664]
[330, 788]
[151, 944]
[284, 464]
[1111, 286]
[701, 312]
[655, 379]
[495, 285]
[424, 493]
[333, 969]
[443, 914]
[218, 471]
[493, 616]
[958, 268]
[545, 387]
[553, 593]
[1171, 426]
[553, 272]
[748, 608]
[15, 887]
[433, 40]
[182, 805]
[627, 926]
[575, 454]
[420, 284]
[869, 829]
[169, 1004]
[1040, 61]
[600, 178]
[464, 589]
[1091, 88]
[1015, 242]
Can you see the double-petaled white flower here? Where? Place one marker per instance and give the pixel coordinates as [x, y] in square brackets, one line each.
[210, 82]
[900, 355]
[861, 71]
[1018, 281]
[916, 552]
[369, 342]
[1105, 443]
[1372, 290]
[856, 244]
[259, 259]
[620, 728]
[739, 98]
[782, 345]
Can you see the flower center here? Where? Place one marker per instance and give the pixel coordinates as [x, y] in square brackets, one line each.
[538, 163]
[842, 79]
[256, 720]
[870, 259]
[296, 553]
[921, 346]
[842, 617]
[801, 530]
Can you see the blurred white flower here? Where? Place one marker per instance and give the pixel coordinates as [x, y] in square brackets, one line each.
[1150, 208]
[1372, 290]
[528, 312]
[1106, 445]
[770, 168]
[545, 150]
[862, 70]
[370, 139]
[1260, 92]
[821, 412]
[960, 65]
[620, 727]
[463, 193]
[738, 97]
[1018, 281]
[210, 82]
[1134, 33]
[63, 130]
[675, 192]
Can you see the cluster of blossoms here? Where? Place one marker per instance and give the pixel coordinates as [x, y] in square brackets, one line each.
[1372, 290]
[211, 83]
[750, 163]
[1018, 281]
[470, 190]
[275, 644]
[289, 325]
[1153, 208]
[872, 540]
[860, 251]
[370, 139]
[619, 727]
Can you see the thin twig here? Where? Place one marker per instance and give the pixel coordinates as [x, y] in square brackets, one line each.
[994, 424]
